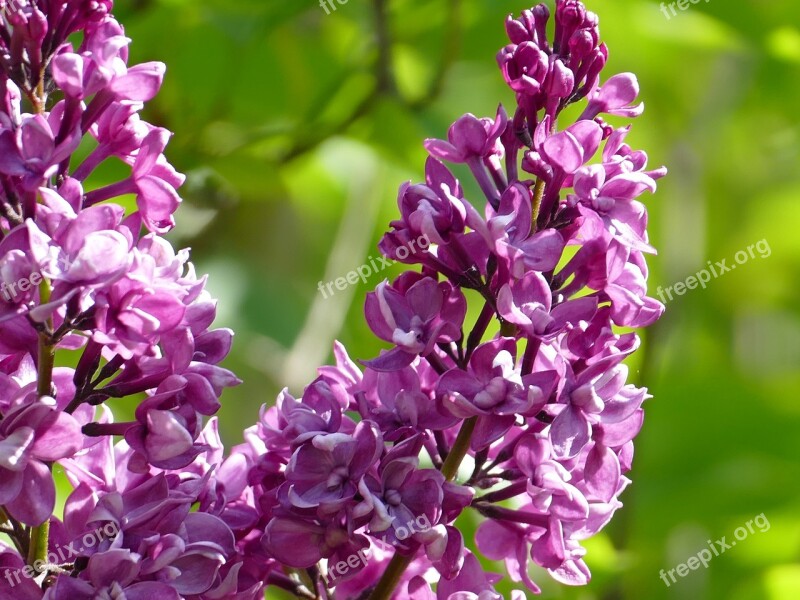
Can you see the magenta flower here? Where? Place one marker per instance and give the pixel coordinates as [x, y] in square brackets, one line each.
[292, 422]
[29, 149]
[359, 480]
[327, 471]
[30, 436]
[615, 97]
[406, 498]
[491, 385]
[469, 138]
[508, 233]
[301, 543]
[404, 404]
[112, 573]
[414, 313]
[436, 210]
[525, 66]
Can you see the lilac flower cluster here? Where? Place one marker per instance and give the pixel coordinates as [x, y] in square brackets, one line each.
[114, 300]
[534, 398]
[525, 419]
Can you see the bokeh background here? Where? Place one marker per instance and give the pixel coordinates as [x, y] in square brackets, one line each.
[296, 128]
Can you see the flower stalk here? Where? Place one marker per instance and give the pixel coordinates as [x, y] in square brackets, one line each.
[400, 562]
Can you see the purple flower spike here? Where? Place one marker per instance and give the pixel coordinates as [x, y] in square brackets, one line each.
[360, 480]
[78, 275]
[539, 400]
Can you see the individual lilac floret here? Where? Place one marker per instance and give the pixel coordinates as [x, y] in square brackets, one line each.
[30, 436]
[326, 472]
[436, 209]
[414, 313]
[493, 389]
[405, 402]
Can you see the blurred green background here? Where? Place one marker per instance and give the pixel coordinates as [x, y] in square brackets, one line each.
[296, 128]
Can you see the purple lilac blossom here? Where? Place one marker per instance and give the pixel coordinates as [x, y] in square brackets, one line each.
[81, 274]
[555, 252]
[364, 464]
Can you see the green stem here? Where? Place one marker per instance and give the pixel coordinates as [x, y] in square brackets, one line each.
[40, 535]
[391, 576]
[538, 194]
[399, 563]
[46, 349]
[459, 450]
[44, 386]
[40, 538]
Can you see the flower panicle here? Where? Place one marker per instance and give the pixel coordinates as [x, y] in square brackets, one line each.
[535, 391]
[356, 483]
[81, 273]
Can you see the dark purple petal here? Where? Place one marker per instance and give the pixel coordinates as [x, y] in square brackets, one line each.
[10, 485]
[393, 360]
[150, 590]
[294, 542]
[57, 436]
